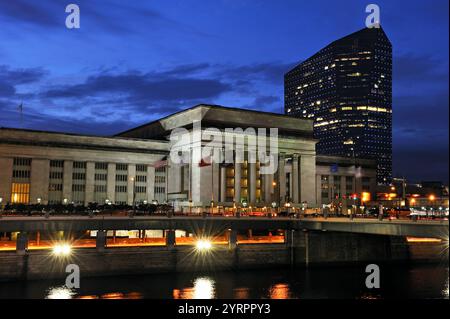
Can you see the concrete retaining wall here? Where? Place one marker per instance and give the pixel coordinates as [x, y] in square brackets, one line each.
[303, 249]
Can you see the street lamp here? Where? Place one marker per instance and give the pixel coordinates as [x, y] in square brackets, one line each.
[134, 195]
[274, 205]
[244, 203]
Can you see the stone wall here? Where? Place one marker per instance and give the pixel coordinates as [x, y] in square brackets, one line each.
[301, 249]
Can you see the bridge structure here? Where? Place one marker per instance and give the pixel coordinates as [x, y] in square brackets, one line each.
[306, 242]
[213, 225]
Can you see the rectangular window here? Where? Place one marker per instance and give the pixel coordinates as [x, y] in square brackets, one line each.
[141, 178]
[21, 173]
[55, 163]
[121, 167]
[20, 193]
[121, 189]
[20, 161]
[56, 175]
[101, 177]
[79, 176]
[121, 178]
[101, 166]
[79, 164]
[141, 168]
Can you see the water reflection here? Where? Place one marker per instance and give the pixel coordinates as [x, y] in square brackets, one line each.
[417, 281]
[61, 292]
[279, 291]
[204, 288]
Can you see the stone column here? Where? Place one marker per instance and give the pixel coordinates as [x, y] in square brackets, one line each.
[308, 179]
[331, 190]
[150, 183]
[268, 180]
[215, 181]
[6, 179]
[90, 180]
[131, 183]
[358, 181]
[232, 239]
[343, 187]
[319, 190]
[100, 242]
[67, 181]
[295, 179]
[21, 243]
[237, 182]
[170, 239]
[111, 183]
[39, 180]
[252, 183]
[175, 178]
[282, 178]
[223, 184]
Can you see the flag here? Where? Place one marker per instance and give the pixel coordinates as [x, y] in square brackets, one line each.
[205, 162]
[159, 164]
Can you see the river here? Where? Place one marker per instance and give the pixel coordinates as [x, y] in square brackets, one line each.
[416, 281]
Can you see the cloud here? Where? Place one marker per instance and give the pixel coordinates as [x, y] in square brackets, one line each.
[21, 75]
[32, 12]
[141, 88]
[271, 72]
[415, 70]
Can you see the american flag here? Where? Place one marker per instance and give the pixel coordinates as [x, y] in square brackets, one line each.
[160, 163]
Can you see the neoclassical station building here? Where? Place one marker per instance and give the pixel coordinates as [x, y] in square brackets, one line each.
[137, 165]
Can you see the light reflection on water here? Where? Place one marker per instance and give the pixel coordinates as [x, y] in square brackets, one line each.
[61, 292]
[203, 289]
[396, 282]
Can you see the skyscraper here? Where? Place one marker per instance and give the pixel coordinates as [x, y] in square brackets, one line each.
[347, 89]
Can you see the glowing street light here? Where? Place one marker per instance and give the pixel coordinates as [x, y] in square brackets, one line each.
[203, 245]
[62, 250]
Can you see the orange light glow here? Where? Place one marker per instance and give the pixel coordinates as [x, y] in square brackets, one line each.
[365, 197]
[432, 197]
[423, 240]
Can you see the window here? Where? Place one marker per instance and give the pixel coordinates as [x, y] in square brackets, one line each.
[121, 189]
[79, 176]
[100, 188]
[56, 175]
[78, 188]
[121, 167]
[55, 187]
[141, 189]
[141, 168]
[21, 173]
[141, 178]
[20, 193]
[79, 164]
[55, 163]
[101, 166]
[19, 161]
[100, 177]
[121, 178]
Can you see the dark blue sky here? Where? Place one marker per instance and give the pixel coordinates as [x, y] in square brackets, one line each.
[132, 63]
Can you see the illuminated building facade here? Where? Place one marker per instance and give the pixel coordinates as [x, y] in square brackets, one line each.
[346, 88]
[135, 166]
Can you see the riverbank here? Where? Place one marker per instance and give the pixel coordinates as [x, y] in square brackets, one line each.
[315, 249]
